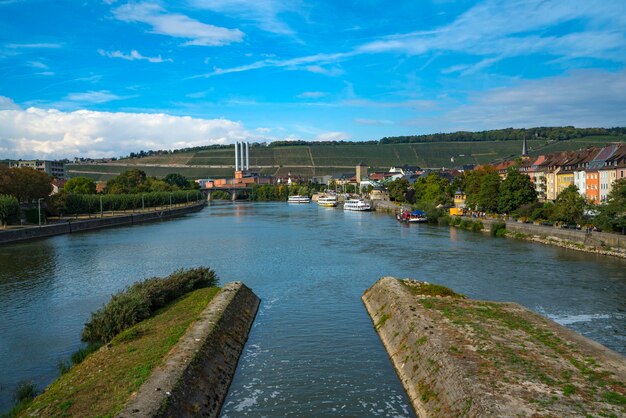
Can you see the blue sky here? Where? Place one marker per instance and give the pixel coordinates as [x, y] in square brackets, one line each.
[104, 78]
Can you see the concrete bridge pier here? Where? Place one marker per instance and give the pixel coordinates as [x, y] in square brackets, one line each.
[233, 195]
[209, 196]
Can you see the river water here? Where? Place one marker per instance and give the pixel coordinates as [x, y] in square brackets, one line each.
[312, 350]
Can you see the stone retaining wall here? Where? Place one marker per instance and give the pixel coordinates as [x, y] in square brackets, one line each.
[71, 226]
[193, 380]
[458, 357]
[573, 235]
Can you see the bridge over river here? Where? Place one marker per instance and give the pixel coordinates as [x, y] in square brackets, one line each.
[232, 190]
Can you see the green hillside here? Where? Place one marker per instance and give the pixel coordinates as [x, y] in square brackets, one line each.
[331, 158]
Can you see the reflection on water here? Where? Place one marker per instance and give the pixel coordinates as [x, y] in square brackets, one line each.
[312, 350]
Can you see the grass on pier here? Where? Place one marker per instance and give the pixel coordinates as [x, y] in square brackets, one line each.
[511, 348]
[103, 382]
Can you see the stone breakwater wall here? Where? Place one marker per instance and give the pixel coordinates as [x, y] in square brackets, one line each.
[386, 206]
[465, 358]
[72, 226]
[194, 378]
[594, 242]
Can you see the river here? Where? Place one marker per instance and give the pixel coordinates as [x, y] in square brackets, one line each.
[312, 350]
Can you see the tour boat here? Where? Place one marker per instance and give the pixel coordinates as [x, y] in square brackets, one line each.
[356, 205]
[298, 199]
[328, 201]
[417, 216]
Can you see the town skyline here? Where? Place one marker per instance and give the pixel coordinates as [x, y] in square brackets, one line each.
[104, 79]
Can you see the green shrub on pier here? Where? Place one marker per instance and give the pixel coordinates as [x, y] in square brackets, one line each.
[498, 229]
[141, 300]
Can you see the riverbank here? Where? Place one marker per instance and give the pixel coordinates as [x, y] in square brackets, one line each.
[179, 362]
[601, 243]
[71, 225]
[462, 357]
[613, 245]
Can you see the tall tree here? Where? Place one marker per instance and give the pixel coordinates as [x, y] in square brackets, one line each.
[612, 215]
[569, 206]
[25, 183]
[488, 194]
[175, 179]
[473, 182]
[80, 185]
[131, 181]
[397, 189]
[432, 189]
[516, 190]
[9, 207]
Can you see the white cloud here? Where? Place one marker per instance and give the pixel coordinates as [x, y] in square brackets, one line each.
[308, 63]
[264, 12]
[581, 98]
[312, 94]
[7, 104]
[40, 133]
[177, 25]
[42, 45]
[333, 71]
[101, 96]
[38, 64]
[333, 136]
[263, 130]
[134, 55]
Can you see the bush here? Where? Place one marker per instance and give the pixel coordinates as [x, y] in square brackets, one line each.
[498, 229]
[476, 226]
[90, 203]
[141, 300]
[9, 208]
[26, 391]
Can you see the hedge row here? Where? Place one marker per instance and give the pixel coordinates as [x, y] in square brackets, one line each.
[141, 300]
[90, 203]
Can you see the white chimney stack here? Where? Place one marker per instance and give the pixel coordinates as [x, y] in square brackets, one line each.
[247, 156]
[243, 161]
[236, 158]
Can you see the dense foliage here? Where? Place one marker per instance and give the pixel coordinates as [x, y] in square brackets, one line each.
[482, 188]
[515, 191]
[26, 184]
[9, 207]
[141, 300]
[612, 215]
[81, 203]
[555, 133]
[136, 181]
[569, 206]
[80, 185]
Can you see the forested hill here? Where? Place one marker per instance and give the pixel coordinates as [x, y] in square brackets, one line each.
[552, 134]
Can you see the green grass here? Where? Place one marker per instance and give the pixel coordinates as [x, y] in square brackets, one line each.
[103, 382]
[429, 289]
[517, 346]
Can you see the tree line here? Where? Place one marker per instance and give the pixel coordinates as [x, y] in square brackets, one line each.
[547, 133]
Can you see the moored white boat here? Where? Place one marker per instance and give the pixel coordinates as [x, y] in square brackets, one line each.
[327, 201]
[298, 199]
[358, 205]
